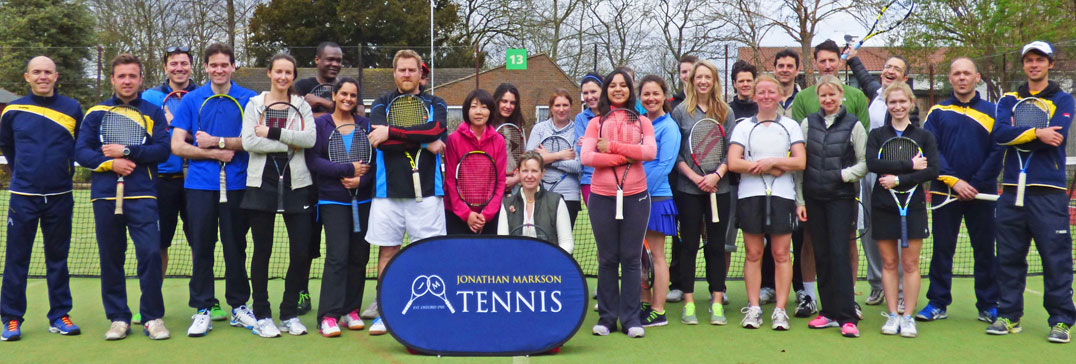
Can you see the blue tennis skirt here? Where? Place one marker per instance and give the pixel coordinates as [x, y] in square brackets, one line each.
[662, 215]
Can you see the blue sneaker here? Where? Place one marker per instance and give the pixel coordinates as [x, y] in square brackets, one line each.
[988, 316]
[64, 326]
[931, 313]
[11, 331]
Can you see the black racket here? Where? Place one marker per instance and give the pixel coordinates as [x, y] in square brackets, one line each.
[348, 144]
[515, 143]
[406, 111]
[1030, 112]
[282, 115]
[648, 267]
[324, 91]
[533, 231]
[208, 119]
[476, 179]
[708, 147]
[900, 149]
[621, 126]
[890, 17]
[768, 139]
[124, 125]
[553, 175]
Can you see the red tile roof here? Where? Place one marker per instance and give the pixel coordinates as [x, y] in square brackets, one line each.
[872, 57]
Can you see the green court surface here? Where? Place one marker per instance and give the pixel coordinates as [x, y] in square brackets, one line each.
[959, 339]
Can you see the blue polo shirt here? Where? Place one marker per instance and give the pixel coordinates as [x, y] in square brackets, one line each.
[223, 118]
[156, 96]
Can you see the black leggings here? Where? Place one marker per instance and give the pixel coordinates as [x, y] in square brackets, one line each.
[831, 223]
[573, 210]
[694, 212]
[620, 248]
[299, 226]
[346, 255]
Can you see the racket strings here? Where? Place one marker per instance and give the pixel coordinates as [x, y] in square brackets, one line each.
[407, 112]
[338, 151]
[770, 141]
[476, 177]
[708, 145]
[280, 118]
[119, 128]
[513, 138]
[323, 91]
[899, 149]
[1030, 114]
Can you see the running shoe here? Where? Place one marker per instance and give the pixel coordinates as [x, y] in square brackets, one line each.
[243, 317]
[752, 317]
[907, 326]
[931, 313]
[371, 312]
[988, 316]
[900, 306]
[217, 314]
[136, 319]
[687, 315]
[780, 319]
[304, 302]
[892, 324]
[600, 330]
[717, 315]
[1003, 326]
[11, 331]
[265, 328]
[859, 311]
[117, 331]
[674, 295]
[1059, 333]
[822, 322]
[293, 326]
[654, 319]
[807, 307]
[156, 330]
[636, 332]
[767, 295]
[849, 330]
[378, 327]
[64, 326]
[352, 321]
[329, 328]
[200, 324]
[876, 297]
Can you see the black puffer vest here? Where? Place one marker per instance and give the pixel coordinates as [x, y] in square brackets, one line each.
[829, 150]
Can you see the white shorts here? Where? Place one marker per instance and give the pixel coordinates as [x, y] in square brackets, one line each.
[390, 217]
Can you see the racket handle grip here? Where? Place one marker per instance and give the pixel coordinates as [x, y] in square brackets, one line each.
[620, 204]
[844, 57]
[769, 210]
[223, 186]
[713, 207]
[903, 232]
[119, 196]
[357, 227]
[1021, 185]
[418, 186]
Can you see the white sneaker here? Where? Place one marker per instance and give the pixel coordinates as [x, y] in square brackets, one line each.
[371, 312]
[265, 328]
[352, 321]
[243, 317]
[892, 324]
[293, 326]
[674, 295]
[201, 324]
[600, 330]
[636, 332]
[117, 331]
[907, 327]
[767, 295]
[780, 319]
[752, 318]
[155, 330]
[378, 327]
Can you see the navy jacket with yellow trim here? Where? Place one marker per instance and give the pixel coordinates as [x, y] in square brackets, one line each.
[37, 136]
[141, 182]
[966, 148]
[1047, 165]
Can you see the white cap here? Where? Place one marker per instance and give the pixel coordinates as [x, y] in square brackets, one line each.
[1040, 46]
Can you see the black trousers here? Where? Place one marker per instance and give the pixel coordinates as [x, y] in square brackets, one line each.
[172, 204]
[694, 213]
[298, 225]
[830, 222]
[207, 216]
[346, 254]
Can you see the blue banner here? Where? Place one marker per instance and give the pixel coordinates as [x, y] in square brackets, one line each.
[482, 295]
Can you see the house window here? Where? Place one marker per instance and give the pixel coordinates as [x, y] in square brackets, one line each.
[455, 118]
[541, 113]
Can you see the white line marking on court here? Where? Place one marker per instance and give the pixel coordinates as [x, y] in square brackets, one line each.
[1037, 293]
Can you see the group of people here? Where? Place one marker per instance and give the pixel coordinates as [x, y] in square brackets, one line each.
[803, 168]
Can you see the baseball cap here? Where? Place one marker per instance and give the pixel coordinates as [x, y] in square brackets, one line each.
[1041, 47]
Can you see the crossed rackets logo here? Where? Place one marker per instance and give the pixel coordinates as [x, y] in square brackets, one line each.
[432, 284]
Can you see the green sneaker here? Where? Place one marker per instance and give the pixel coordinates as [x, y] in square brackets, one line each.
[1059, 333]
[136, 319]
[304, 302]
[1003, 326]
[717, 314]
[687, 316]
[217, 314]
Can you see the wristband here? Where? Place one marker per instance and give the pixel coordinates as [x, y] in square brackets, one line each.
[897, 181]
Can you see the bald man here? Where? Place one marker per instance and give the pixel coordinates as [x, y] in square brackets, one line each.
[37, 136]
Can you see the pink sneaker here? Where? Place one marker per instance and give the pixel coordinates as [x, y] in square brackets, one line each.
[353, 321]
[329, 328]
[822, 322]
[850, 330]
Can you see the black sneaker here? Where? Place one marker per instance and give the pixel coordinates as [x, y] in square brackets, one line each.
[657, 319]
[1058, 334]
[644, 311]
[304, 302]
[876, 297]
[807, 307]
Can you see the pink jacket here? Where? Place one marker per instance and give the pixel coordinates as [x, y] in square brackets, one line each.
[603, 181]
[459, 144]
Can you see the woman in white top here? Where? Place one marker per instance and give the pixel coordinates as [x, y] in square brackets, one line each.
[532, 211]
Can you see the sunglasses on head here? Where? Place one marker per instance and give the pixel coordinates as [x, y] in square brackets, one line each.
[178, 49]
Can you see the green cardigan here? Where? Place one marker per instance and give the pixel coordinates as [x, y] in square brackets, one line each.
[806, 103]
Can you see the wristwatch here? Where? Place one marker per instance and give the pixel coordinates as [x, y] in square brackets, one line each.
[126, 151]
[220, 142]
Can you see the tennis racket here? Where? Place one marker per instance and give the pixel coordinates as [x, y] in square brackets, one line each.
[863, 219]
[171, 102]
[208, 118]
[890, 17]
[515, 143]
[406, 111]
[647, 272]
[348, 144]
[554, 176]
[282, 115]
[324, 91]
[621, 126]
[950, 197]
[126, 126]
[476, 179]
[708, 147]
[533, 231]
[768, 139]
[1030, 112]
[900, 149]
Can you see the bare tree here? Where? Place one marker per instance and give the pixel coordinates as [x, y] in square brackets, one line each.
[687, 28]
[747, 26]
[800, 19]
[619, 30]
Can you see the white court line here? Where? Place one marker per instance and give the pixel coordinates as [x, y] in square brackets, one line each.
[1037, 293]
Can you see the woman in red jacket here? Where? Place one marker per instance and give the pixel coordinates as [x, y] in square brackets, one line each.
[475, 134]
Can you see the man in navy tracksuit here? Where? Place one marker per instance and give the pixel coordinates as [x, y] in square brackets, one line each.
[37, 136]
[1045, 214]
[970, 162]
[138, 165]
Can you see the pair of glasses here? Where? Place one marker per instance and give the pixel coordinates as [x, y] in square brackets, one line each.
[181, 49]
